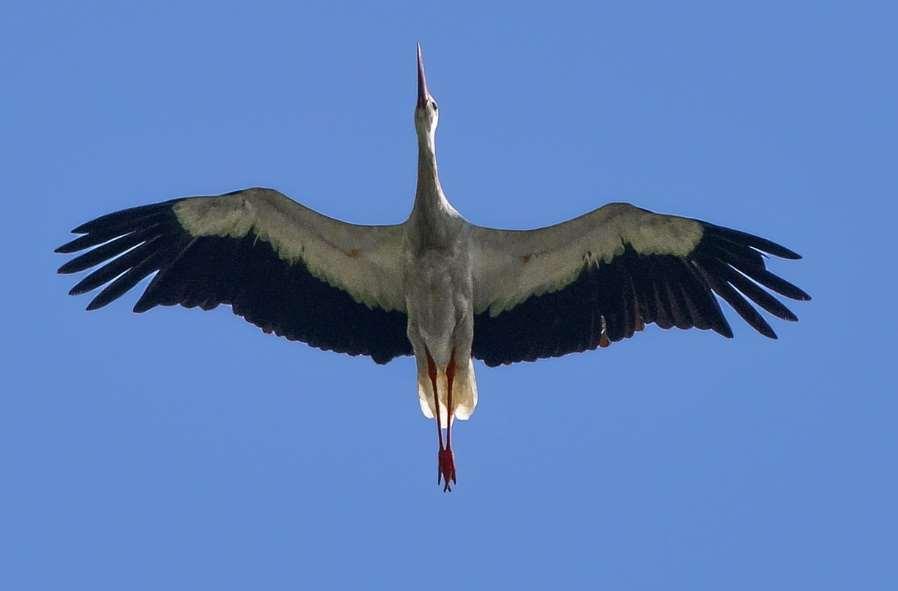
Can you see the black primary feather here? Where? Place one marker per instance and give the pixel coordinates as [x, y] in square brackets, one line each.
[280, 297]
[667, 290]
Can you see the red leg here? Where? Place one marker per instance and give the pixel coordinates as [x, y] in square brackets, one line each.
[432, 374]
[447, 461]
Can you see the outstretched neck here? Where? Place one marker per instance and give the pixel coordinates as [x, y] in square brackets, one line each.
[429, 198]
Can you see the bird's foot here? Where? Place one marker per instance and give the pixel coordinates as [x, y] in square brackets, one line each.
[446, 471]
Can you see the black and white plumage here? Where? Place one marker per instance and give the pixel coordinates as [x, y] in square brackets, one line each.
[435, 286]
[601, 277]
[283, 267]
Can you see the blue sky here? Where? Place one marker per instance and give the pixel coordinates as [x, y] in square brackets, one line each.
[185, 450]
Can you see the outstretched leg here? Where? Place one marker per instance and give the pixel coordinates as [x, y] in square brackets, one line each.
[446, 457]
[445, 463]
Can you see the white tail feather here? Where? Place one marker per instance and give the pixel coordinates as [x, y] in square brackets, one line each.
[464, 393]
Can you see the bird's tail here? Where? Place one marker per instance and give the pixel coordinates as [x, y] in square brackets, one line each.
[464, 393]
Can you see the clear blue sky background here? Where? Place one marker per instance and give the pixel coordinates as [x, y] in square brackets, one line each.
[187, 450]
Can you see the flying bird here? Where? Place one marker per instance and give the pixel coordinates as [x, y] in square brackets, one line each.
[436, 286]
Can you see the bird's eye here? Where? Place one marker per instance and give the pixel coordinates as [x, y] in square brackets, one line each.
[434, 106]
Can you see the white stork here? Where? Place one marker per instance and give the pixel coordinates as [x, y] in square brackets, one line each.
[436, 286]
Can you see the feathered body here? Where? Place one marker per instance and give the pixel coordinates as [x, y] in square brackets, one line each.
[439, 293]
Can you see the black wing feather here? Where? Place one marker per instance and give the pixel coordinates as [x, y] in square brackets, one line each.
[246, 273]
[612, 300]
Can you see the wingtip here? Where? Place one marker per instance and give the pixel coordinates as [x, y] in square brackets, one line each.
[141, 306]
[104, 298]
[763, 245]
[763, 327]
[721, 326]
[786, 253]
[67, 248]
[798, 294]
[67, 268]
[82, 229]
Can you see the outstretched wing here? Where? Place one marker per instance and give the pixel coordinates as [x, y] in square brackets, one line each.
[282, 266]
[599, 278]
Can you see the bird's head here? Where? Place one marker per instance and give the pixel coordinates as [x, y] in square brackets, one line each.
[426, 112]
